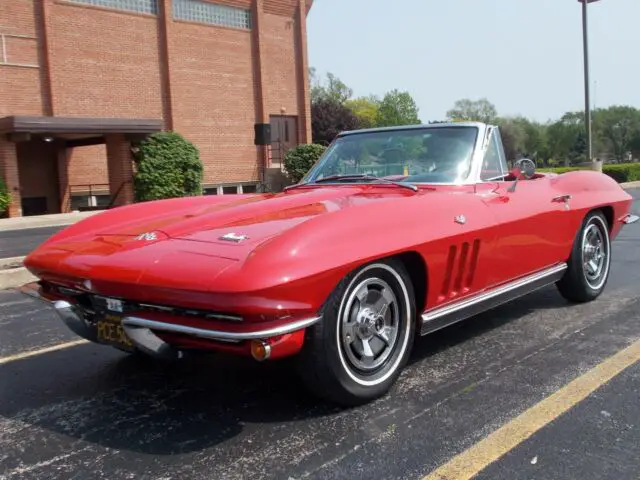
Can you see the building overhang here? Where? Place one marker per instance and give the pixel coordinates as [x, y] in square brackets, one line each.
[76, 130]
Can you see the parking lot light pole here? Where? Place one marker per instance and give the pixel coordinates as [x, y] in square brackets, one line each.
[587, 99]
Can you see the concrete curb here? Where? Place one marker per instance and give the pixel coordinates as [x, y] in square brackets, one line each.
[13, 274]
[15, 277]
[41, 221]
[630, 185]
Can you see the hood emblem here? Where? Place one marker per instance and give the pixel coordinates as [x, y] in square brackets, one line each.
[233, 237]
[461, 219]
[148, 236]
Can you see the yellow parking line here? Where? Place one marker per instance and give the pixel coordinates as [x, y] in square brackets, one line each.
[491, 448]
[40, 351]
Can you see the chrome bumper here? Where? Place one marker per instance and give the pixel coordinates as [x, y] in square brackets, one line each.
[141, 330]
[630, 218]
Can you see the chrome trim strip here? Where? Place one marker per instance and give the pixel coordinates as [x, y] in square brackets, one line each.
[217, 334]
[484, 296]
[628, 219]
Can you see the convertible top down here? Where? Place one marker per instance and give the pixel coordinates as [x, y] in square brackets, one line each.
[394, 233]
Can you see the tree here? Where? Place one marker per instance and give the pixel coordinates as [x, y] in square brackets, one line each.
[168, 166]
[473, 110]
[397, 108]
[366, 109]
[513, 137]
[329, 118]
[618, 127]
[335, 89]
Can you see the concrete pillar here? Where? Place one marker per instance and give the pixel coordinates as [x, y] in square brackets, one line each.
[10, 175]
[63, 179]
[304, 96]
[120, 165]
[165, 19]
[262, 116]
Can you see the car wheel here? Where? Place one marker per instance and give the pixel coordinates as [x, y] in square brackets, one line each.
[590, 261]
[357, 351]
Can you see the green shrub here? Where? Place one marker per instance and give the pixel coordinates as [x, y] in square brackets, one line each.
[621, 172]
[5, 198]
[168, 166]
[299, 160]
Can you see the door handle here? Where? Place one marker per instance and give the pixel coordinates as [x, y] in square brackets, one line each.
[562, 198]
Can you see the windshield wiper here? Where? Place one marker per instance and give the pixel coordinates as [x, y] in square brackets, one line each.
[358, 176]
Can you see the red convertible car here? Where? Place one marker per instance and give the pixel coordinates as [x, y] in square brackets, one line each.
[393, 234]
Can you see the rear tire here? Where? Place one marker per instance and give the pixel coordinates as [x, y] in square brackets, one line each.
[356, 353]
[590, 261]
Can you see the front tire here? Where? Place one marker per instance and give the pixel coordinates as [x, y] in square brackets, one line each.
[356, 353]
[590, 262]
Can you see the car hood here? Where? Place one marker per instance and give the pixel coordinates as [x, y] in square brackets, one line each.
[249, 220]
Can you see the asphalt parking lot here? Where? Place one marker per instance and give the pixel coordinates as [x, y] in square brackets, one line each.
[463, 404]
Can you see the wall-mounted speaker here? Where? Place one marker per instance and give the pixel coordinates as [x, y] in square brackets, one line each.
[262, 134]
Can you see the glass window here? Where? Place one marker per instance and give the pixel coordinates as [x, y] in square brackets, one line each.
[493, 165]
[418, 155]
[140, 6]
[211, 13]
[231, 190]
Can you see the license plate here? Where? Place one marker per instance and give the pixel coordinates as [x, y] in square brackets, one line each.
[110, 331]
[114, 305]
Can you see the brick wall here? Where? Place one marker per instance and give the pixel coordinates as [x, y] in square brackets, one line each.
[279, 64]
[88, 165]
[103, 63]
[213, 98]
[20, 75]
[78, 60]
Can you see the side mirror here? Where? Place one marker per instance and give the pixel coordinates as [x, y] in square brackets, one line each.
[525, 168]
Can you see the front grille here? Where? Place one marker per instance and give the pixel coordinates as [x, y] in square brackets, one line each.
[100, 304]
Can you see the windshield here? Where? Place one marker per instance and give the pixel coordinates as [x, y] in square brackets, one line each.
[426, 155]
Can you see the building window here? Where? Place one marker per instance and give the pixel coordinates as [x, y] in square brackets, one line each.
[84, 202]
[230, 189]
[211, 13]
[138, 6]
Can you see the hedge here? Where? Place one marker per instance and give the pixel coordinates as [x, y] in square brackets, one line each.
[299, 160]
[5, 198]
[168, 166]
[620, 172]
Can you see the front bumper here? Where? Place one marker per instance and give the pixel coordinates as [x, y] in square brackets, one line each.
[145, 333]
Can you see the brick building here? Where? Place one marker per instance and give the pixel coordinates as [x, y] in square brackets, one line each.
[81, 80]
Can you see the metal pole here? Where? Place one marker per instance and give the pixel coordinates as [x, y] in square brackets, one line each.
[587, 101]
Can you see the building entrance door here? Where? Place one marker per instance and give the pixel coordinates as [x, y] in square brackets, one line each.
[284, 136]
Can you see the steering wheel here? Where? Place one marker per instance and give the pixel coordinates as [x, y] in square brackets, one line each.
[524, 169]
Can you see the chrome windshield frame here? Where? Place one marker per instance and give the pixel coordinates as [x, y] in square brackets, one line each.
[481, 144]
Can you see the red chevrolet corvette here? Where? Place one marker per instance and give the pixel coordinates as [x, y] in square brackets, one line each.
[394, 233]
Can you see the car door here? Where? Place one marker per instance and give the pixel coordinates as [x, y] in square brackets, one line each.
[530, 219]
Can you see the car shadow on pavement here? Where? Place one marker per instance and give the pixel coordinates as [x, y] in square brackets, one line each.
[102, 396]
[546, 298]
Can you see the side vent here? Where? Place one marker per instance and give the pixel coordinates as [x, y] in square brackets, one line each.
[460, 271]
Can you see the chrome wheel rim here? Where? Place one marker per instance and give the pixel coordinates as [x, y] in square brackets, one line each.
[370, 324]
[595, 252]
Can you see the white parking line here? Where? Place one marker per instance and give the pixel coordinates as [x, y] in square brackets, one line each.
[40, 351]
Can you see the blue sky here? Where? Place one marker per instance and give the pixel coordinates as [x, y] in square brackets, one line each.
[525, 56]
